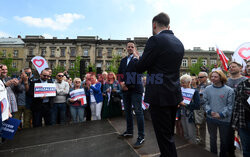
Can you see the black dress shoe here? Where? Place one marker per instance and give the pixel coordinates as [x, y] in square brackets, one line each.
[125, 135]
[139, 143]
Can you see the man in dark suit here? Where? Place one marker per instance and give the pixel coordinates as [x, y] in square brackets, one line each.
[41, 107]
[132, 90]
[161, 59]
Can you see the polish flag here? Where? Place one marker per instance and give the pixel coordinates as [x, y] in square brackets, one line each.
[223, 58]
[237, 142]
[82, 101]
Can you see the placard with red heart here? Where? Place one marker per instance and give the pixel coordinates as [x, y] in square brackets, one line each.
[244, 53]
[38, 62]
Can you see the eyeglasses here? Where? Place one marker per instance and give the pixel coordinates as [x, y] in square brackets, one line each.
[60, 75]
[78, 82]
[45, 75]
[201, 77]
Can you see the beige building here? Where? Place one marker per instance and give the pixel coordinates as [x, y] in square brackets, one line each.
[13, 48]
[92, 49]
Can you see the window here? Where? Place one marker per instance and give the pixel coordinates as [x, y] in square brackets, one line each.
[184, 63]
[62, 63]
[204, 62]
[73, 51]
[86, 52]
[119, 51]
[99, 65]
[99, 54]
[52, 64]
[15, 53]
[52, 52]
[31, 52]
[43, 52]
[4, 53]
[72, 64]
[110, 52]
[14, 65]
[193, 61]
[213, 61]
[62, 52]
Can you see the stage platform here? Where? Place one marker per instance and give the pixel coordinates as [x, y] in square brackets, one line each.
[89, 139]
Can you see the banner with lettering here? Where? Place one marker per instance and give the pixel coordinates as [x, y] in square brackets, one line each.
[78, 94]
[40, 63]
[44, 89]
[187, 94]
[9, 128]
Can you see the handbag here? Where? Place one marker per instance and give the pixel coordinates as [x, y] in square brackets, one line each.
[199, 116]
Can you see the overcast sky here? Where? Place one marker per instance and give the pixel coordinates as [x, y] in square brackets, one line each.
[197, 23]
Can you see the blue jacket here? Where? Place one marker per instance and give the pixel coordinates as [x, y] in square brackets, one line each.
[97, 92]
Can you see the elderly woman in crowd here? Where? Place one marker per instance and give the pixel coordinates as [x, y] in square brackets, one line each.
[187, 109]
[219, 100]
[76, 108]
[112, 101]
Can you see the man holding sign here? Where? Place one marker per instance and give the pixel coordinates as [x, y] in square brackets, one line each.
[41, 105]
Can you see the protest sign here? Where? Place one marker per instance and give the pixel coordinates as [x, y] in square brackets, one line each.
[9, 128]
[4, 103]
[39, 63]
[44, 89]
[78, 94]
[187, 94]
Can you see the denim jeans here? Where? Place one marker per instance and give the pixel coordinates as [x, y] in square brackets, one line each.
[224, 129]
[245, 139]
[132, 98]
[77, 112]
[61, 108]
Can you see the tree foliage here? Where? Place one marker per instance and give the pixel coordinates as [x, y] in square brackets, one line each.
[8, 62]
[115, 63]
[195, 68]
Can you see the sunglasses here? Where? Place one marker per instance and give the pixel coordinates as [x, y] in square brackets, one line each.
[78, 81]
[201, 76]
[45, 75]
[60, 75]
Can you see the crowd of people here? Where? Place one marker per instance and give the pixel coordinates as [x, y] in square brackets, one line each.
[219, 102]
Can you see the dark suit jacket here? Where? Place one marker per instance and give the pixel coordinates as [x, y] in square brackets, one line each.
[162, 56]
[131, 78]
[36, 104]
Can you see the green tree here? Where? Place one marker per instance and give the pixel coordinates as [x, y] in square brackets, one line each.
[75, 71]
[8, 62]
[91, 66]
[115, 63]
[195, 68]
[56, 70]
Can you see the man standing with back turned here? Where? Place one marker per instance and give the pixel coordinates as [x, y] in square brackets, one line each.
[162, 58]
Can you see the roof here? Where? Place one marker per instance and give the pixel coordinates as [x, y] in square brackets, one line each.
[11, 41]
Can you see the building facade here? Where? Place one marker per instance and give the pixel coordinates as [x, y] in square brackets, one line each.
[13, 48]
[93, 50]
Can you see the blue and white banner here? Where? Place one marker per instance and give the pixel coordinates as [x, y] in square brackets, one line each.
[44, 89]
[78, 94]
[187, 94]
[9, 128]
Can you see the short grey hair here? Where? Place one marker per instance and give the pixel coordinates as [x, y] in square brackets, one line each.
[187, 78]
[203, 73]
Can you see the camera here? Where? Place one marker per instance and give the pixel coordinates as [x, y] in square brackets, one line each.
[28, 74]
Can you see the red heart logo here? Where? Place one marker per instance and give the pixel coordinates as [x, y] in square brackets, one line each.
[38, 62]
[244, 53]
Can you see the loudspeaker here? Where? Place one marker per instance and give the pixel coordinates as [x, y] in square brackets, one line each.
[82, 68]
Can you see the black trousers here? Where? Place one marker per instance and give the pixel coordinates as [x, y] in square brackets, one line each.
[163, 119]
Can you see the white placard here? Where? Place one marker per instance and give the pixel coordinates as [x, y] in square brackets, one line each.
[40, 63]
[187, 94]
[44, 89]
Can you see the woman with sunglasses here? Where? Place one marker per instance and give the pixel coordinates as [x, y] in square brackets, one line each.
[76, 108]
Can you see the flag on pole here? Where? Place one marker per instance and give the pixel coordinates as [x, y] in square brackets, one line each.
[223, 58]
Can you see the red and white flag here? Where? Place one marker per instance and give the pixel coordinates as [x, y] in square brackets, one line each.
[237, 143]
[223, 58]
